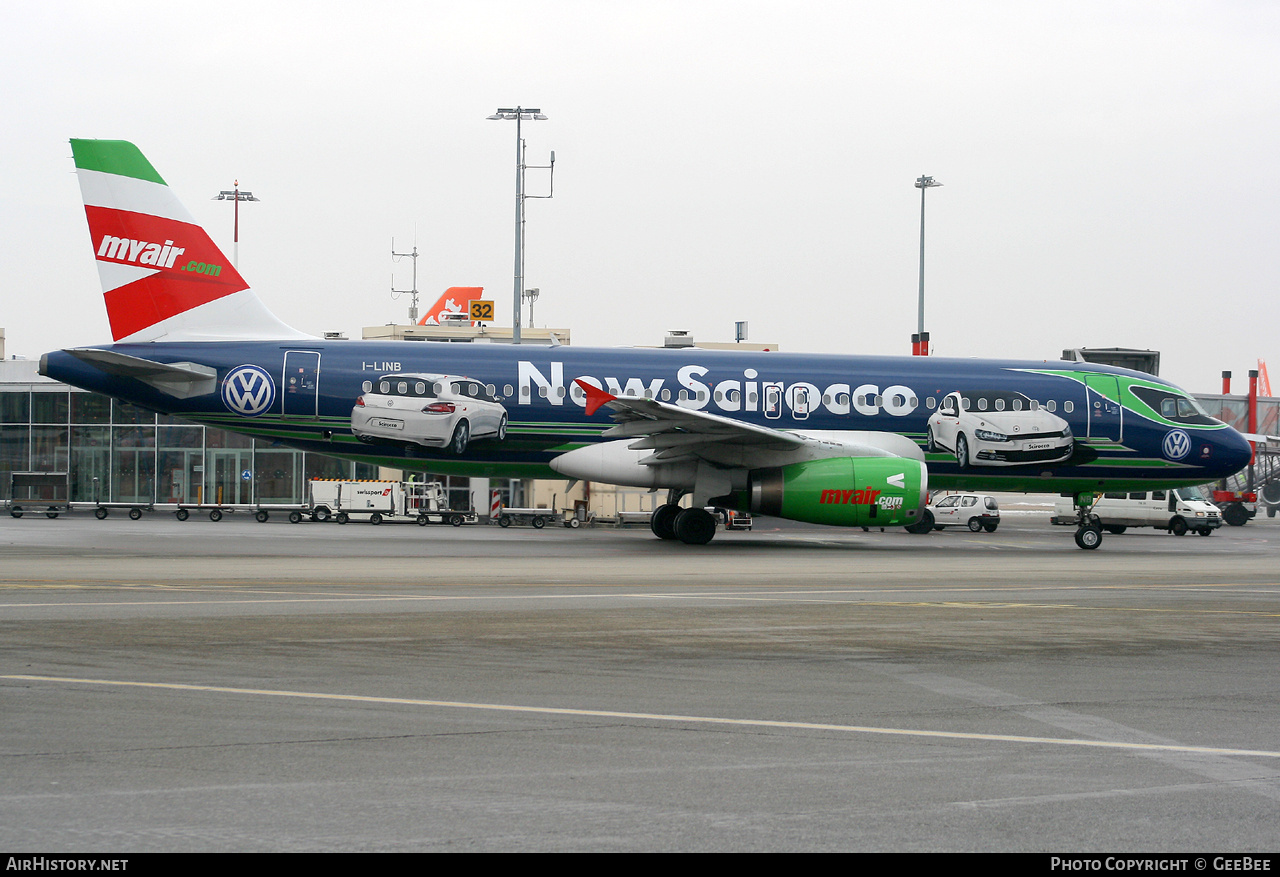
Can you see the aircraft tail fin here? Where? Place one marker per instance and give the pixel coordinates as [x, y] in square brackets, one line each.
[456, 301]
[162, 276]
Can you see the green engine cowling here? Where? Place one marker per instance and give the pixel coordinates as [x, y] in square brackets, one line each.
[843, 491]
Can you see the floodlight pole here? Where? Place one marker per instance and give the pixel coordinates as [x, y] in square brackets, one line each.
[237, 196]
[519, 114]
[922, 340]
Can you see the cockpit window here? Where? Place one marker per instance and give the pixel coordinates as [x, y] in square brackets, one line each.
[1174, 407]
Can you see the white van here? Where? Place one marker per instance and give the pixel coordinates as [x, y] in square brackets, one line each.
[1174, 510]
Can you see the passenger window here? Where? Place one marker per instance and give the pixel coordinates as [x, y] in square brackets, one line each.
[966, 404]
[1051, 405]
[1017, 404]
[930, 403]
[367, 386]
[982, 404]
[999, 404]
[384, 387]
[666, 395]
[420, 388]
[1068, 406]
[402, 387]
[506, 389]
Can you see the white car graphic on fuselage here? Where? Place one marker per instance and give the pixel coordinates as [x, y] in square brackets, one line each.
[998, 428]
[434, 411]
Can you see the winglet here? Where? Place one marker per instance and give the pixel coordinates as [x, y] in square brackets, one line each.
[595, 396]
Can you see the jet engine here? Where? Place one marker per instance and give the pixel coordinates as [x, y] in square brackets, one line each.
[842, 491]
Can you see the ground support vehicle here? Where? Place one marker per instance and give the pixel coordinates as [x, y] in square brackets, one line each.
[421, 502]
[977, 511]
[1237, 506]
[536, 518]
[1177, 511]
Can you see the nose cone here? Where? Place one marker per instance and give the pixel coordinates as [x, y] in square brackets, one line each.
[1229, 453]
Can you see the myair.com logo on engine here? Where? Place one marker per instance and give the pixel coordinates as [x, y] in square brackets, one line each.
[866, 496]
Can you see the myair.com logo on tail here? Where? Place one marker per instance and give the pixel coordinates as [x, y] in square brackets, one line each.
[248, 390]
[165, 255]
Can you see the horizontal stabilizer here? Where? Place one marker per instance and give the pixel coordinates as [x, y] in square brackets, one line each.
[181, 380]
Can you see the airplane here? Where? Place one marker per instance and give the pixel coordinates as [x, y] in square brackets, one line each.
[846, 440]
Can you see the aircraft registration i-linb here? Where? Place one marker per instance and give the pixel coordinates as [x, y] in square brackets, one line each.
[844, 440]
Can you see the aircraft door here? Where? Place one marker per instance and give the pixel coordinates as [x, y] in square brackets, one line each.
[1106, 417]
[300, 384]
[772, 400]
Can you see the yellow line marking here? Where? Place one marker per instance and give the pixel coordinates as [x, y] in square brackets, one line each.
[662, 717]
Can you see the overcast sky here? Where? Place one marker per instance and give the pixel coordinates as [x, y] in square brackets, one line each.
[1109, 168]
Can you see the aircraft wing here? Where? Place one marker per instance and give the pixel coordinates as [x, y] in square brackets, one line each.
[676, 434]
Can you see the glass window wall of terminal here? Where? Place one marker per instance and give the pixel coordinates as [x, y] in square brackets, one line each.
[115, 452]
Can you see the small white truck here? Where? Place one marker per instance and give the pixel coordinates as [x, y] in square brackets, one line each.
[1178, 511]
[423, 502]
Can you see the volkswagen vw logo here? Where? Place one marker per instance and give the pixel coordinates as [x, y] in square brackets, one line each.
[249, 390]
[1177, 444]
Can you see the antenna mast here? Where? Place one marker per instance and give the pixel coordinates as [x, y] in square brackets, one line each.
[396, 293]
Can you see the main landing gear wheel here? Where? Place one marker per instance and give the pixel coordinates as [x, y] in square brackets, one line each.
[695, 526]
[1089, 536]
[663, 521]
[924, 525]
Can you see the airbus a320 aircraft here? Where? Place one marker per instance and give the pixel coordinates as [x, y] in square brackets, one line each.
[845, 440]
